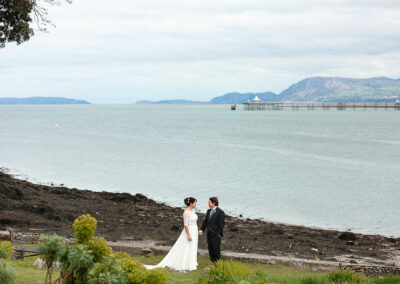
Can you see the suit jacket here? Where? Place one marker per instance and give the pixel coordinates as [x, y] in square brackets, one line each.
[215, 224]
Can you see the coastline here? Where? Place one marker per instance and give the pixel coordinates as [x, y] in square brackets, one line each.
[121, 216]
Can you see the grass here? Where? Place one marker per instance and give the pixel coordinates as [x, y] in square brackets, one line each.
[277, 274]
[28, 274]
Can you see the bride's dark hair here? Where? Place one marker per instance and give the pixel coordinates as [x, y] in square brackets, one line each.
[189, 200]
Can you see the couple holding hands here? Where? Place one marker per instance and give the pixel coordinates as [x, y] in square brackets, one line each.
[183, 255]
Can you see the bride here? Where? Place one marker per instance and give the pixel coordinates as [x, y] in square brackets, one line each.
[183, 255]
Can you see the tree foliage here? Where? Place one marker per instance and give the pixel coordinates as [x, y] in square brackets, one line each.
[84, 228]
[17, 18]
[50, 248]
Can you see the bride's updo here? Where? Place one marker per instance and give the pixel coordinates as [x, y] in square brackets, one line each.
[189, 200]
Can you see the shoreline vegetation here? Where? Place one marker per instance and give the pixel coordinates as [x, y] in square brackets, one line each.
[46, 209]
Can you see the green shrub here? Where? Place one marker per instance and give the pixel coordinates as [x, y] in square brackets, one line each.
[7, 274]
[157, 276]
[99, 249]
[84, 228]
[6, 249]
[109, 271]
[224, 271]
[136, 273]
[344, 276]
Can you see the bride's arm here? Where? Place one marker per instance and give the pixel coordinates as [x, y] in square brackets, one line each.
[186, 217]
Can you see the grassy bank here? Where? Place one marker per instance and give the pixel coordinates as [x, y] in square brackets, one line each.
[26, 273]
[277, 274]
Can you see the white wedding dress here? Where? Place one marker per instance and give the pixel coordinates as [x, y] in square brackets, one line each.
[183, 255]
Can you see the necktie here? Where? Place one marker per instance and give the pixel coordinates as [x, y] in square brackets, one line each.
[212, 212]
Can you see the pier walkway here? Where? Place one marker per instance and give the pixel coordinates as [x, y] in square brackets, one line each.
[320, 105]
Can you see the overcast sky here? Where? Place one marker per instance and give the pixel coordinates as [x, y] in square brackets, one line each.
[122, 51]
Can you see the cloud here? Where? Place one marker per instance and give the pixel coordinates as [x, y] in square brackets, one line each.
[129, 50]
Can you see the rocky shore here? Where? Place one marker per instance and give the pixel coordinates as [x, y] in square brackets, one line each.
[121, 216]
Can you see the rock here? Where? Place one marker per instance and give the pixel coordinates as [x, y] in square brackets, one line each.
[347, 236]
[147, 251]
[279, 231]
[352, 243]
[139, 198]
[314, 250]
[233, 229]
[5, 236]
[41, 264]
[175, 228]
[353, 261]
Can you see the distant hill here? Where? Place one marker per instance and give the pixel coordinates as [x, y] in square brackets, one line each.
[237, 98]
[41, 101]
[333, 89]
[170, 102]
[230, 98]
[316, 89]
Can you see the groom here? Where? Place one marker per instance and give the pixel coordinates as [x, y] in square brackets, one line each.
[214, 222]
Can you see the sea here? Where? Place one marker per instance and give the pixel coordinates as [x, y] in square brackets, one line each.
[328, 169]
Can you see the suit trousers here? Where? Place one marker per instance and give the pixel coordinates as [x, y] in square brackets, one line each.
[214, 247]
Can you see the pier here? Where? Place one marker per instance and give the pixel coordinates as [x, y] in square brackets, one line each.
[258, 105]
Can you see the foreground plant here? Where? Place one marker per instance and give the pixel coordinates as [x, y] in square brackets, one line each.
[50, 248]
[110, 271]
[76, 262]
[7, 274]
[6, 249]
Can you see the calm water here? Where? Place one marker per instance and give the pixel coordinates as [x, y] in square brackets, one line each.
[330, 169]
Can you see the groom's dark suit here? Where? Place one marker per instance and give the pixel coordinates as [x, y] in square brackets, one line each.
[215, 230]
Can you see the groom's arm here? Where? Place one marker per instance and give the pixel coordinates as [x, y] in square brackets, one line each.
[205, 222]
[221, 223]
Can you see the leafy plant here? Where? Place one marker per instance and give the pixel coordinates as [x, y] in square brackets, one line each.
[157, 276]
[109, 271]
[135, 271]
[76, 262]
[7, 274]
[6, 249]
[50, 248]
[99, 249]
[84, 228]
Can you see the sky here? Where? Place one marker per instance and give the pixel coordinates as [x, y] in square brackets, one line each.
[122, 51]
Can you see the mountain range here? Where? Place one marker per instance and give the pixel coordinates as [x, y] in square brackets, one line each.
[41, 101]
[315, 89]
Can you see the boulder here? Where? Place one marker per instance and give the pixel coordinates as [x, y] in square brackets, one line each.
[147, 251]
[5, 236]
[347, 236]
[41, 264]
